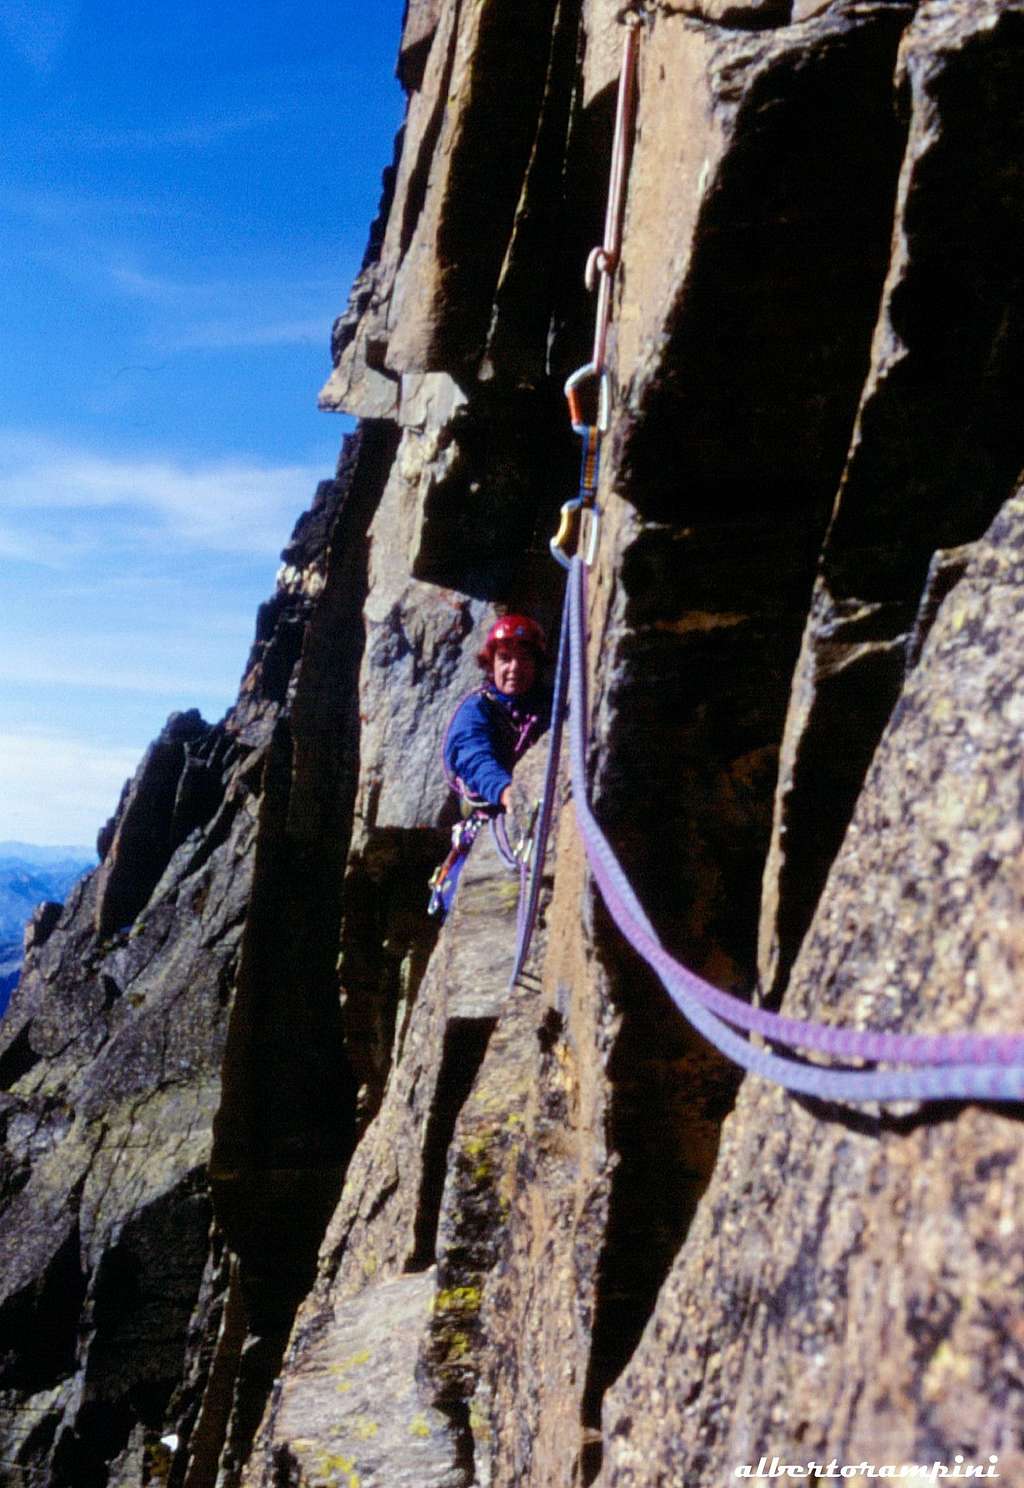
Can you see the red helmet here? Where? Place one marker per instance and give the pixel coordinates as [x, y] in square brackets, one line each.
[512, 628]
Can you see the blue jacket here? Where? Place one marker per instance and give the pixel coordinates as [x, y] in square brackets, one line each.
[488, 733]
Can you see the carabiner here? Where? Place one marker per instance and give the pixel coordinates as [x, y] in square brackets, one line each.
[568, 528]
[572, 527]
[604, 398]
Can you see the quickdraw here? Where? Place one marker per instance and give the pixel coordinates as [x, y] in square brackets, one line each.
[578, 528]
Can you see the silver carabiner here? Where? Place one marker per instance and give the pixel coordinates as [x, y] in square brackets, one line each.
[604, 397]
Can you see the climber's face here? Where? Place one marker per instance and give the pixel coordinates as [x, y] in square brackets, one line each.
[515, 668]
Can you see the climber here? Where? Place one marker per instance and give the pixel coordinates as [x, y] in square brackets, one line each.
[496, 724]
[490, 730]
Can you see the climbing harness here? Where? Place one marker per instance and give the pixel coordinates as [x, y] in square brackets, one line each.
[953, 1066]
[445, 879]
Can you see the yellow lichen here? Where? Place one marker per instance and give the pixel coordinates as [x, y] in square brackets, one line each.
[459, 1299]
[478, 1423]
[419, 1426]
[330, 1465]
[946, 1369]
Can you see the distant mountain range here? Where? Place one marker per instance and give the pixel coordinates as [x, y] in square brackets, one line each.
[29, 875]
[45, 857]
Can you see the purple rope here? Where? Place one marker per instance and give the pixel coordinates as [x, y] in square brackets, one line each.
[522, 905]
[958, 1071]
[499, 832]
[528, 911]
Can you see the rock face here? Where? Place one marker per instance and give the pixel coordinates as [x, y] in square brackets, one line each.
[299, 1183]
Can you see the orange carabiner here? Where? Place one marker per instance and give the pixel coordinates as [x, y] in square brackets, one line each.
[581, 376]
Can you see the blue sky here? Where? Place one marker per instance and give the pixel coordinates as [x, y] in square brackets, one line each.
[187, 192]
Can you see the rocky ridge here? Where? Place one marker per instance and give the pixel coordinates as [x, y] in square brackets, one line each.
[297, 1181]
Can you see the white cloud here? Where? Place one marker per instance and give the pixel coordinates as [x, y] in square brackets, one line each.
[57, 788]
[29, 668]
[226, 506]
[140, 283]
[21, 546]
[159, 289]
[197, 134]
[53, 208]
[225, 335]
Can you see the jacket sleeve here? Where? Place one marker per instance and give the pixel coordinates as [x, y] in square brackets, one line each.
[471, 752]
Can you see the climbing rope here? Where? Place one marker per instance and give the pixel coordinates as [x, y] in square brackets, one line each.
[529, 902]
[960, 1066]
[506, 852]
[954, 1066]
[604, 260]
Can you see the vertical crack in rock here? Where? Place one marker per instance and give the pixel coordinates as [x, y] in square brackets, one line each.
[541, 252]
[416, 191]
[386, 944]
[465, 1044]
[452, 261]
[217, 1335]
[134, 1321]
